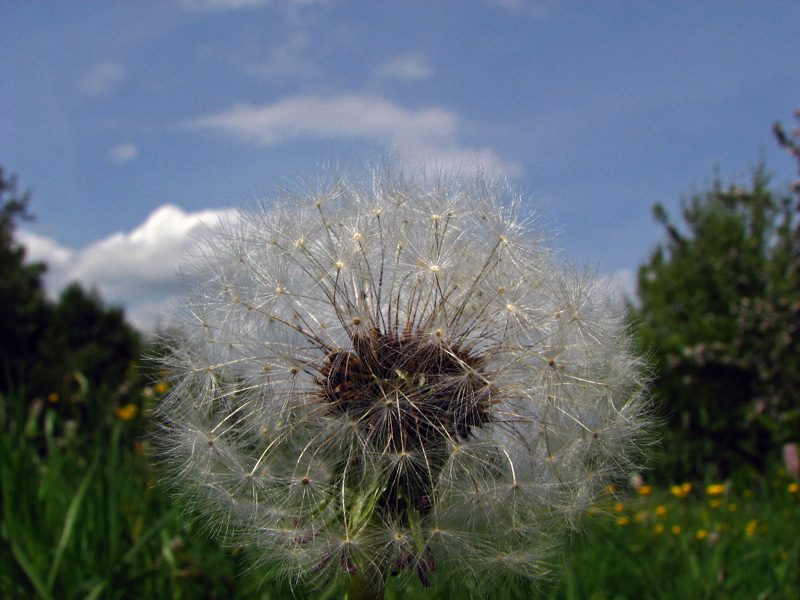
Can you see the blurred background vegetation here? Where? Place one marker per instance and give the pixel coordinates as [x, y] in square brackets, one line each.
[719, 308]
[717, 514]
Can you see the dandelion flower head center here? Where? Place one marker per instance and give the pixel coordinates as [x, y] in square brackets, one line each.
[404, 391]
[408, 396]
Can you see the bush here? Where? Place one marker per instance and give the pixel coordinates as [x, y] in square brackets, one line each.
[720, 310]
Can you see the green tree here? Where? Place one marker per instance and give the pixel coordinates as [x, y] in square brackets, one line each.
[65, 347]
[24, 311]
[719, 309]
[92, 339]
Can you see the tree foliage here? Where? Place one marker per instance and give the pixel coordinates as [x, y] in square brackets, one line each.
[53, 349]
[720, 310]
[24, 311]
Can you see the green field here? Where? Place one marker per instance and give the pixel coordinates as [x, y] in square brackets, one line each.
[83, 517]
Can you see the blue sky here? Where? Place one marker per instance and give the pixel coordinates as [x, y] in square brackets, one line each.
[133, 121]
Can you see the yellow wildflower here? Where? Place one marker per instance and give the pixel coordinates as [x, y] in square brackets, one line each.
[716, 489]
[701, 534]
[793, 488]
[715, 503]
[127, 412]
[681, 491]
[161, 387]
[676, 529]
[659, 529]
[622, 521]
[52, 398]
[645, 490]
[750, 528]
[661, 510]
[619, 507]
[611, 489]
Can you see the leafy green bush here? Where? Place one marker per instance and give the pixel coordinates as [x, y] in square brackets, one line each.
[720, 311]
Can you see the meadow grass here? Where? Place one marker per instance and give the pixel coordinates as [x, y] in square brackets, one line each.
[735, 539]
[82, 517]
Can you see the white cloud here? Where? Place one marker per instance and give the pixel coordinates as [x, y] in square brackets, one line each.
[123, 153]
[346, 116]
[136, 269]
[407, 67]
[43, 249]
[422, 134]
[103, 79]
[623, 284]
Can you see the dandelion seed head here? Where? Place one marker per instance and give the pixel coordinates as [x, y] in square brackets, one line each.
[395, 373]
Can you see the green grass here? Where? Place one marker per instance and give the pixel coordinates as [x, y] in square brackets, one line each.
[82, 517]
[742, 543]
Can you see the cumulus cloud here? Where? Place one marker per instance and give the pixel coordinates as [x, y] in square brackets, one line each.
[123, 153]
[422, 134]
[103, 79]
[407, 67]
[44, 249]
[136, 269]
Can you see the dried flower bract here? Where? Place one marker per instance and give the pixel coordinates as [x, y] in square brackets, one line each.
[384, 376]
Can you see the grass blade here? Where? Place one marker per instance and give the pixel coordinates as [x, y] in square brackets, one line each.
[69, 522]
[28, 569]
[145, 537]
[96, 591]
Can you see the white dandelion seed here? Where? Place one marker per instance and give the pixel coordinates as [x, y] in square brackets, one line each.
[380, 378]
